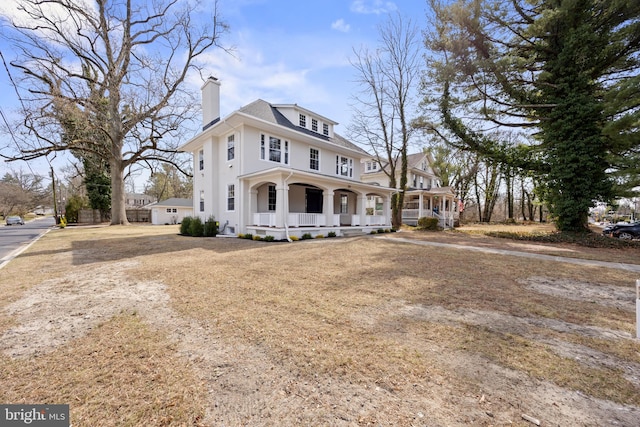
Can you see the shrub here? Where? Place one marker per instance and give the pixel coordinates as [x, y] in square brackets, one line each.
[248, 236]
[211, 227]
[386, 230]
[240, 236]
[185, 225]
[331, 234]
[269, 238]
[373, 232]
[294, 238]
[319, 236]
[306, 236]
[73, 206]
[257, 238]
[196, 228]
[426, 223]
[380, 230]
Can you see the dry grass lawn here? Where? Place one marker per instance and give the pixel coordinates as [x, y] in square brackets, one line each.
[138, 326]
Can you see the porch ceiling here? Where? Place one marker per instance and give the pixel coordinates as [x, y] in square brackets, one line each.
[294, 176]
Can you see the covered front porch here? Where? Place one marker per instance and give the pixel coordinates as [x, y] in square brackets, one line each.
[284, 203]
[437, 203]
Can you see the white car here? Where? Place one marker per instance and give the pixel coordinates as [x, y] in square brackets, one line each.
[13, 220]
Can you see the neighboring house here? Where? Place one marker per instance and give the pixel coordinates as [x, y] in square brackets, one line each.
[137, 200]
[170, 211]
[280, 170]
[425, 197]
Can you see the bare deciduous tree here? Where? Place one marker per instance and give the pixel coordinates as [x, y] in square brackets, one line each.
[106, 78]
[387, 77]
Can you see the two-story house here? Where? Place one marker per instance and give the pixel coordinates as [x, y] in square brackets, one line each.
[280, 170]
[424, 196]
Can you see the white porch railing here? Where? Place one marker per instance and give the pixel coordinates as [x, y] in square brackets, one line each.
[307, 220]
[268, 219]
[375, 220]
[264, 219]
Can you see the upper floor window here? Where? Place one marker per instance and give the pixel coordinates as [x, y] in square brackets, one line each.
[303, 120]
[424, 165]
[231, 144]
[314, 159]
[314, 125]
[422, 182]
[344, 166]
[325, 129]
[231, 197]
[201, 200]
[415, 181]
[277, 151]
[372, 166]
[201, 160]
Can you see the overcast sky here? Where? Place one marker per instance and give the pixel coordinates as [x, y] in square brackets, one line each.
[286, 52]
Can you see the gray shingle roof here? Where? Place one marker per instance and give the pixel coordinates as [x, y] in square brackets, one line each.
[267, 112]
[176, 202]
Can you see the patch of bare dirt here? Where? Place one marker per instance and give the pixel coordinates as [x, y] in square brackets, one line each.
[249, 386]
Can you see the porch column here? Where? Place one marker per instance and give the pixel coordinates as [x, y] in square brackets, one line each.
[282, 204]
[252, 205]
[362, 206]
[421, 206]
[327, 209]
[386, 209]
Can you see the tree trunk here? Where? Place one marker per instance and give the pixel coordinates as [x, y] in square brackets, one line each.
[118, 195]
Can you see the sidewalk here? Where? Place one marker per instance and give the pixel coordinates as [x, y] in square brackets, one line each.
[507, 252]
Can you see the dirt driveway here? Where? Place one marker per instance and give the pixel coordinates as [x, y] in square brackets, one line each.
[140, 326]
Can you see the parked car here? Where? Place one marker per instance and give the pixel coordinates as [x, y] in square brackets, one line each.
[624, 231]
[13, 220]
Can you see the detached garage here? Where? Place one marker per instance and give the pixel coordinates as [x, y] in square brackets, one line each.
[170, 211]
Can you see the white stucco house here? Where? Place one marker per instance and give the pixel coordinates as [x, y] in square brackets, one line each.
[424, 197]
[170, 211]
[280, 170]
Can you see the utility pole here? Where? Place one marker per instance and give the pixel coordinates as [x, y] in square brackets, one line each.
[55, 204]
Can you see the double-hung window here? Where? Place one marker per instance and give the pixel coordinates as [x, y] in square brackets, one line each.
[325, 129]
[344, 204]
[303, 121]
[277, 150]
[314, 125]
[231, 146]
[231, 197]
[272, 198]
[314, 159]
[201, 160]
[344, 166]
[201, 200]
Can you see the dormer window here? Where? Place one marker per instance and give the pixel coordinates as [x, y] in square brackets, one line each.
[314, 125]
[303, 121]
[325, 129]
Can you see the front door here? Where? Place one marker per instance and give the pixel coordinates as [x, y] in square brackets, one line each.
[313, 200]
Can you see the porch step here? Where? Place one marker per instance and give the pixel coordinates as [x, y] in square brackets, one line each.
[352, 233]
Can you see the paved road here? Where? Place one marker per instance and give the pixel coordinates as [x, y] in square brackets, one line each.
[16, 238]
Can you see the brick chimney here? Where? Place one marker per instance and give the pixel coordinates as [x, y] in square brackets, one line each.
[210, 102]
